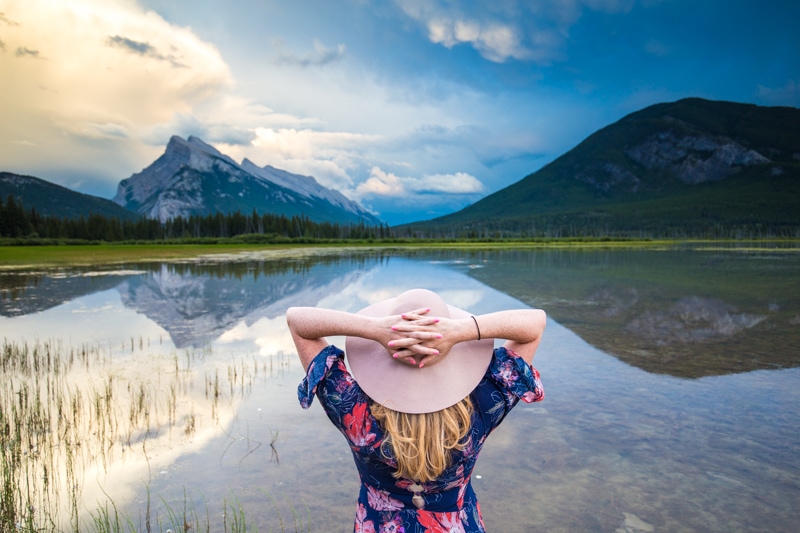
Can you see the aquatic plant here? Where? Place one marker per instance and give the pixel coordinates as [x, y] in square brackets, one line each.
[70, 415]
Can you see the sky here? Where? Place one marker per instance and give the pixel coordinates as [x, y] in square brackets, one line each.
[414, 108]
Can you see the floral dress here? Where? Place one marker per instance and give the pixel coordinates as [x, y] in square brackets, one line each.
[385, 503]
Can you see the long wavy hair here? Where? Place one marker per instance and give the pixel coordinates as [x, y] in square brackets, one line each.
[423, 443]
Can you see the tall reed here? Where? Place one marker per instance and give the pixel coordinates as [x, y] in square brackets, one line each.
[72, 413]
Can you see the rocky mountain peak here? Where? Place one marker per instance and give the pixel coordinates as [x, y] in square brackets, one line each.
[192, 177]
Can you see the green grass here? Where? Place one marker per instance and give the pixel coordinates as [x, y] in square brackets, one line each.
[104, 254]
[20, 256]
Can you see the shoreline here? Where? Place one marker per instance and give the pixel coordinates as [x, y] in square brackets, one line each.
[20, 257]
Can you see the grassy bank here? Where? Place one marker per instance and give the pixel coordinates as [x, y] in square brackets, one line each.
[88, 254]
[103, 253]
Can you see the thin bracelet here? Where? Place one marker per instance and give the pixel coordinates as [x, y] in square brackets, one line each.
[477, 326]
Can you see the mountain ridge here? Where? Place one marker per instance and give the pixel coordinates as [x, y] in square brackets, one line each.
[193, 178]
[688, 164]
[50, 199]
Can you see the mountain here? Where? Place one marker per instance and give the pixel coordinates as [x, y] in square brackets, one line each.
[687, 167]
[54, 200]
[193, 178]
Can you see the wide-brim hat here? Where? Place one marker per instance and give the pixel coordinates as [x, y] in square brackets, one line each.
[409, 389]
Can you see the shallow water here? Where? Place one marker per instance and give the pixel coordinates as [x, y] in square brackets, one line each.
[671, 382]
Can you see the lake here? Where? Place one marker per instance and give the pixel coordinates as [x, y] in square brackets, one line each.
[672, 381]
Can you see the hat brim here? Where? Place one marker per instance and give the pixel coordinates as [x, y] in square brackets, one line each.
[410, 389]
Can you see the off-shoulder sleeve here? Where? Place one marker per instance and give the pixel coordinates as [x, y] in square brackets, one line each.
[517, 377]
[318, 370]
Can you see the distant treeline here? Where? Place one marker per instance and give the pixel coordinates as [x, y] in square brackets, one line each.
[16, 222]
[26, 226]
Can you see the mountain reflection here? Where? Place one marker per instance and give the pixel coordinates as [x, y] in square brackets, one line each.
[196, 303]
[25, 293]
[684, 313]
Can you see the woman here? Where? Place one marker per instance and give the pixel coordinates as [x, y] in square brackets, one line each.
[426, 390]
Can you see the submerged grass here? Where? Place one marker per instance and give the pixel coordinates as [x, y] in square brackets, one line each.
[69, 415]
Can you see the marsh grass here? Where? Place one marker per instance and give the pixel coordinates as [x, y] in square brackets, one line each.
[71, 416]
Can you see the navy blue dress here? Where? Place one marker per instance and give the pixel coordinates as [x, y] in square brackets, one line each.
[384, 502]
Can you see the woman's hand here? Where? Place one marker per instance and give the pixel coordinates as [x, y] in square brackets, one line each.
[406, 336]
[427, 339]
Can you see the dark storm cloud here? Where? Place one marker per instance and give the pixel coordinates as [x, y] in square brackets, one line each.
[141, 48]
[27, 52]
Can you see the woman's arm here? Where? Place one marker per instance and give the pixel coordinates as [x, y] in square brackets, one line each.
[522, 329]
[310, 325]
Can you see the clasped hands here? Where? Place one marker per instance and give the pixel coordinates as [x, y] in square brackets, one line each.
[416, 339]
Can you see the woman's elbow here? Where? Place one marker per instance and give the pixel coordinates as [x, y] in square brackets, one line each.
[539, 320]
[293, 315]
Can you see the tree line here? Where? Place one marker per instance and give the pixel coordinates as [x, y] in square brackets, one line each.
[19, 223]
[16, 222]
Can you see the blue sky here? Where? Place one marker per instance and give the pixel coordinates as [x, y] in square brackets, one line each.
[414, 108]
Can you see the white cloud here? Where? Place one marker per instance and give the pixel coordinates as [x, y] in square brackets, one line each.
[382, 183]
[514, 29]
[328, 156]
[495, 41]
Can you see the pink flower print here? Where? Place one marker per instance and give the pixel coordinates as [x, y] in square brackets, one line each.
[459, 480]
[345, 383]
[533, 396]
[392, 524]
[363, 525]
[512, 353]
[381, 501]
[461, 492]
[508, 374]
[440, 522]
[357, 426]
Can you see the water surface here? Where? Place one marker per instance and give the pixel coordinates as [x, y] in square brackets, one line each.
[671, 382]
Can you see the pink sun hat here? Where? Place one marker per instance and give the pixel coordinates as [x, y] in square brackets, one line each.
[410, 389]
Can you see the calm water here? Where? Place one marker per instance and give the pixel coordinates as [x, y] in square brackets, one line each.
[672, 383]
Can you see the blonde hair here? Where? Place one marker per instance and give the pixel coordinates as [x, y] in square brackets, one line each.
[422, 443]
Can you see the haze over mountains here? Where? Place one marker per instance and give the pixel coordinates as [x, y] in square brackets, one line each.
[685, 168]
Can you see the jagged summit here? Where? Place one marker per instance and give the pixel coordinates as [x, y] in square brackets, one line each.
[194, 178]
[305, 185]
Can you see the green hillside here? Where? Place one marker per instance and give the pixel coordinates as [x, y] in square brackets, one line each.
[54, 200]
[692, 167]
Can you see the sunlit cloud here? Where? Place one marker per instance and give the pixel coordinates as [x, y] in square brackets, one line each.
[328, 156]
[105, 63]
[382, 183]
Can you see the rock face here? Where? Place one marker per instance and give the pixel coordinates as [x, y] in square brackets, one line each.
[694, 157]
[193, 178]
